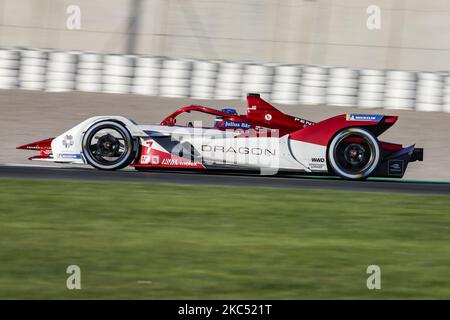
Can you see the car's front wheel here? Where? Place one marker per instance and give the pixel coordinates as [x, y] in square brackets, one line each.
[354, 153]
[108, 145]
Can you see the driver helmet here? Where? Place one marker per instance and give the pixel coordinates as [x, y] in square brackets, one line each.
[218, 119]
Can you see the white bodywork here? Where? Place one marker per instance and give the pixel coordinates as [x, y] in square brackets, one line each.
[67, 146]
[215, 146]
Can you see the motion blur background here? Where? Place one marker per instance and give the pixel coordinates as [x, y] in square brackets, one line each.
[414, 34]
[143, 59]
[61, 61]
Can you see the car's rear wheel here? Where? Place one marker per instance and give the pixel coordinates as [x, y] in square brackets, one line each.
[108, 145]
[354, 153]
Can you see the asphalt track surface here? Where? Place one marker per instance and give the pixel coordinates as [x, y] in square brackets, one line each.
[222, 179]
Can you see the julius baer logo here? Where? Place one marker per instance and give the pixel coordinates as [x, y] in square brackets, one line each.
[236, 125]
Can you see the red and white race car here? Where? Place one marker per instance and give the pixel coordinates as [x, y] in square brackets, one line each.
[265, 139]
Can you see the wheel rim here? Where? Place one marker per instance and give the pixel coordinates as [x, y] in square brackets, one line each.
[107, 146]
[353, 157]
[355, 153]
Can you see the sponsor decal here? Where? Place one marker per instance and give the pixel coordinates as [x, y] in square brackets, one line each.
[235, 125]
[395, 167]
[70, 156]
[155, 159]
[316, 165]
[67, 141]
[239, 150]
[145, 159]
[258, 128]
[364, 117]
[305, 122]
[178, 162]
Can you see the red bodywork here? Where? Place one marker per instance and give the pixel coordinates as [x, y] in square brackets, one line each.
[261, 115]
[170, 120]
[44, 146]
[322, 132]
[150, 157]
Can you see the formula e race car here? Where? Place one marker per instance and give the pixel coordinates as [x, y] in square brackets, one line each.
[264, 139]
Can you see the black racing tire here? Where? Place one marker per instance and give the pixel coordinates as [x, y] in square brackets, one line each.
[96, 154]
[354, 161]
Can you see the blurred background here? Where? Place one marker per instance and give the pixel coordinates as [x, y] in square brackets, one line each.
[312, 58]
[62, 62]
[413, 34]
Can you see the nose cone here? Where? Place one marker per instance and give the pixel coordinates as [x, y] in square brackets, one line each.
[38, 145]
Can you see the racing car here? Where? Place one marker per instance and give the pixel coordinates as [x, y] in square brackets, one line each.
[263, 139]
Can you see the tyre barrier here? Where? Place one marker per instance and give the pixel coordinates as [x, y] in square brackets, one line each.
[146, 76]
[203, 79]
[257, 78]
[118, 71]
[313, 85]
[286, 84]
[60, 71]
[89, 76]
[446, 93]
[430, 91]
[371, 88]
[400, 90]
[33, 69]
[342, 87]
[175, 78]
[229, 80]
[9, 68]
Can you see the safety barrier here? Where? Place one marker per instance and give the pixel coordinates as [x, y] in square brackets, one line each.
[203, 79]
[342, 87]
[60, 71]
[146, 76]
[313, 86]
[400, 90]
[89, 72]
[9, 69]
[229, 81]
[446, 105]
[286, 84]
[371, 88]
[33, 69]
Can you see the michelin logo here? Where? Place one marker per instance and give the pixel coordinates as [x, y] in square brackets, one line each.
[364, 117]
[70, 156]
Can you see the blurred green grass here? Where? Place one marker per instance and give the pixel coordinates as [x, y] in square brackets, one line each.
[146, 241]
